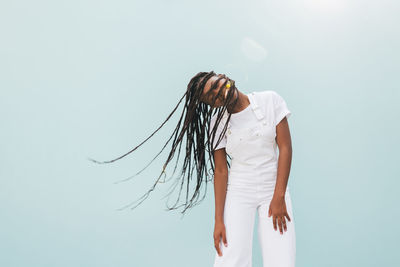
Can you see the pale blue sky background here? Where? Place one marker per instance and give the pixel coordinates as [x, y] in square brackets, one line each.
[94, 78]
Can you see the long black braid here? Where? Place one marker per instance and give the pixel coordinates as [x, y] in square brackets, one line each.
[196, 116]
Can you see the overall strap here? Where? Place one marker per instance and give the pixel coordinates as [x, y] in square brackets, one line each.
[254, 105]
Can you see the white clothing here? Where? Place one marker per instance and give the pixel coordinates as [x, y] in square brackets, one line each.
[277, 110]
[242, 202]
[251, 184]
[243, 118]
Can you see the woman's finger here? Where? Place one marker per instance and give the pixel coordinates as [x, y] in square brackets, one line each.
[216, 244]
[287, 215]
[274, 221]
[224, 238]
[280, 225]
[284, 223]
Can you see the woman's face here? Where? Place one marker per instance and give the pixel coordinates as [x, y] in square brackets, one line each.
[208, 96]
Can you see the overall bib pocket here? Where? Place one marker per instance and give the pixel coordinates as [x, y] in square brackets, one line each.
[235, 139]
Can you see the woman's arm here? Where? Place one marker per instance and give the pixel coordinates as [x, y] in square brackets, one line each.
[284, 143]
[220, 186]
[220, 182]
[278, 205]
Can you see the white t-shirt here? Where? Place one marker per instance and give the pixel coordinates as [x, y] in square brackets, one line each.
[246, 117]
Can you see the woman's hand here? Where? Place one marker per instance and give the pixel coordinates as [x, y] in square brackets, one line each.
[219, 232]
[277, 208]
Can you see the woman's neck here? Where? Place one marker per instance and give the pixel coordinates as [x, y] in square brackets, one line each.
[242, 103]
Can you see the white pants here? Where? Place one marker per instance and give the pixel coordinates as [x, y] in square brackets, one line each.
[241, 204]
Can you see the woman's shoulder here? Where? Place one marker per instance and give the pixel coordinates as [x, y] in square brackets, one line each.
[215, 116]
[222, 120]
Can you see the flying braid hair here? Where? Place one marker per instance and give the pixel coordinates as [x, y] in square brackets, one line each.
[196, 116]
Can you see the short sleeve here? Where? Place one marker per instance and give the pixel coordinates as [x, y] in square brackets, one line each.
[280, 108]
[222, 143]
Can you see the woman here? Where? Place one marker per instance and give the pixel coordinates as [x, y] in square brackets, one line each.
[238, 134]
[257, 125]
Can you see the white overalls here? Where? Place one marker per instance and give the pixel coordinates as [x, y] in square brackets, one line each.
[251, 184]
